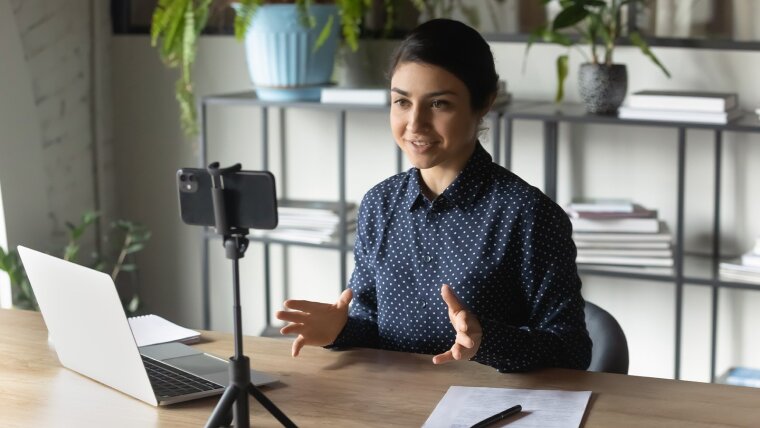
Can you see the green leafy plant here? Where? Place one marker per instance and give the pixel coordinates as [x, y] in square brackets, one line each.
[130, 237]
[177, 24]
[597, 22]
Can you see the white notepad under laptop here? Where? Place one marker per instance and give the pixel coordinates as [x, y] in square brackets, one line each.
[92, 337]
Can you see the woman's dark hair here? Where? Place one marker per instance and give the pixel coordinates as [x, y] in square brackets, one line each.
[458, 49]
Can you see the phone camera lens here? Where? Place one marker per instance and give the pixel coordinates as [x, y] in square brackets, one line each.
[182, 177]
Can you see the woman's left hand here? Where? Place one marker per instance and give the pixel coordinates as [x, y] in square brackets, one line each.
[467, 326]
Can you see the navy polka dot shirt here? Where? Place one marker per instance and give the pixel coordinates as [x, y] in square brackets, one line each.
[504, 247]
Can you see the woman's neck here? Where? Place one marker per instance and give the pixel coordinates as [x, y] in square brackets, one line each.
[436, 179]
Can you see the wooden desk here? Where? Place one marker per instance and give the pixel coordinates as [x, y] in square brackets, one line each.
[353, 388]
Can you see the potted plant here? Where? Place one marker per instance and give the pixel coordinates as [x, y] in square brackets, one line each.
[128, 236]
[602, 83]
[311, 25]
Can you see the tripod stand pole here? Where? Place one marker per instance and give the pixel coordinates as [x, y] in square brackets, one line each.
[236, 394]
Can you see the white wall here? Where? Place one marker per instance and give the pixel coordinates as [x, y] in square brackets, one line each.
[595, 161]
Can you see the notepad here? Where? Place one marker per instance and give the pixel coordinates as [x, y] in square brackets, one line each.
[463, 406]
[152, 329]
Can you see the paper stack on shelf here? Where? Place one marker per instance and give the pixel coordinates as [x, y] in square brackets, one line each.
[314, 222]
[618, 232]
[363, 96]
[682, 106]
[742, 376]
[747, 268]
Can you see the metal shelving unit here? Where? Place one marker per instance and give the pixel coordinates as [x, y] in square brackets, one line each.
[688, 269]
[344, 242]
[692, 270]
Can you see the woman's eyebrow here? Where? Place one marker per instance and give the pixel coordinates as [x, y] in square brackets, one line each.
[428, 95]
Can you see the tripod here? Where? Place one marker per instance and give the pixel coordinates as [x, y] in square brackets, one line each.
[235, 244]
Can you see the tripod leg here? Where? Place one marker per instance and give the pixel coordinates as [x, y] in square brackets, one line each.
[223, 410]
[270, 406]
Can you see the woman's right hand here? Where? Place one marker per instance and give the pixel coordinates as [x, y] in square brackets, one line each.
[316, 324]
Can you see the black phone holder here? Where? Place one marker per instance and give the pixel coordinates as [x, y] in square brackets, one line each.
[235, 244]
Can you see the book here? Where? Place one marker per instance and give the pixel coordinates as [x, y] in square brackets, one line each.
[738, 267]
[736, 271]
[297, 207]
[602, 205]
[638, 212]
[647, 270]
[652, 245]
[752, 278]
[684, 100]
[153, 329]
[622, 225]
[627, 261]
[608, 237]
[751, 259]
[743, 376]
[616, 252]
[679, 115]
[364, 96]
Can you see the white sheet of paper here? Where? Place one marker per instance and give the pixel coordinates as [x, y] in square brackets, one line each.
[462, 407]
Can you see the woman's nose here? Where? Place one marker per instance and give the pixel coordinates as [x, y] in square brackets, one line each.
[418, 119]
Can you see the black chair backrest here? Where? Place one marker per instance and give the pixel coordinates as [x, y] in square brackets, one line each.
[610, 351]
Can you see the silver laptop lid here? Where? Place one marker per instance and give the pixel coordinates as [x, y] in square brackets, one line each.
[85, 319]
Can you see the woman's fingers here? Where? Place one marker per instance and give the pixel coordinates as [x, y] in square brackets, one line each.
[457, 352]
[292, 328]
[345, 298]
[305, 305]
[297, 345]
[443, 358]
[465, 340]
[292, 316]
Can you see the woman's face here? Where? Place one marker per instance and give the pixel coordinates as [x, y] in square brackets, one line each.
[431, 117]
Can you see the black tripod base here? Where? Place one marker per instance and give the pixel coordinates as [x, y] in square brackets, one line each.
[233, 406]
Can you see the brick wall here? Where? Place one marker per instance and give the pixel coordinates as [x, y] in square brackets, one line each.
[71, 87]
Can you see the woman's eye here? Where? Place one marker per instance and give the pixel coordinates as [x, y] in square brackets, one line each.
[401, 102]
[439, 103]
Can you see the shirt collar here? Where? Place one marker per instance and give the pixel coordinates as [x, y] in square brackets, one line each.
[465, 188]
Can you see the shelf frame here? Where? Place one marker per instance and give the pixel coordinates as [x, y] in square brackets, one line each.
[552, 114]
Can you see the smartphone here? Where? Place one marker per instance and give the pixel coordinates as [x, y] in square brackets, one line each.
[250, 198]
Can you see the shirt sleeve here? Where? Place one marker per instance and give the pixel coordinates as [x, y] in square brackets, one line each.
[361, 328]
[554, 334]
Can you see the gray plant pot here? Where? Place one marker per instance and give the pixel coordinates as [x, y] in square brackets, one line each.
[366, 67]
[603, 87]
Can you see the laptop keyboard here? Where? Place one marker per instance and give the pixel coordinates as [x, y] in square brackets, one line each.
[168, 381]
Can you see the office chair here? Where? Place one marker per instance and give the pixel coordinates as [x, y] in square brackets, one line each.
[610, 350]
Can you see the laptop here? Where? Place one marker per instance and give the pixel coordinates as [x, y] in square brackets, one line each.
[91, 336]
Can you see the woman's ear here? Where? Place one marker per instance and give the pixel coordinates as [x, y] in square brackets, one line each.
[491, 99]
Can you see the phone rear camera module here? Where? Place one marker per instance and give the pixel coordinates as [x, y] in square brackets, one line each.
[188, 183]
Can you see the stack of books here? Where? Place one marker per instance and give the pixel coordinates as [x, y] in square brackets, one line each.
[619, 232]
[742, 376]
[359, 96]
[682, 106]
[382, 96]
[314, 222]
[746, 269]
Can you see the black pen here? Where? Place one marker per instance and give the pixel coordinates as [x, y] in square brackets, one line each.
[497, 417]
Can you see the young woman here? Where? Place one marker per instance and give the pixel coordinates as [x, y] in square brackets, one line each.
[457, 257]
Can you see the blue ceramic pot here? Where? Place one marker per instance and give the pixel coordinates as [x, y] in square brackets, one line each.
[283, 62]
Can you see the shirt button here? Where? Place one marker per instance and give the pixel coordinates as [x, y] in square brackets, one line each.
[427, 258]
[423, 303]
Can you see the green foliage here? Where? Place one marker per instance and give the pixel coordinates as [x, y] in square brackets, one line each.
[177, 25]
[597, 23]
[131, 237]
